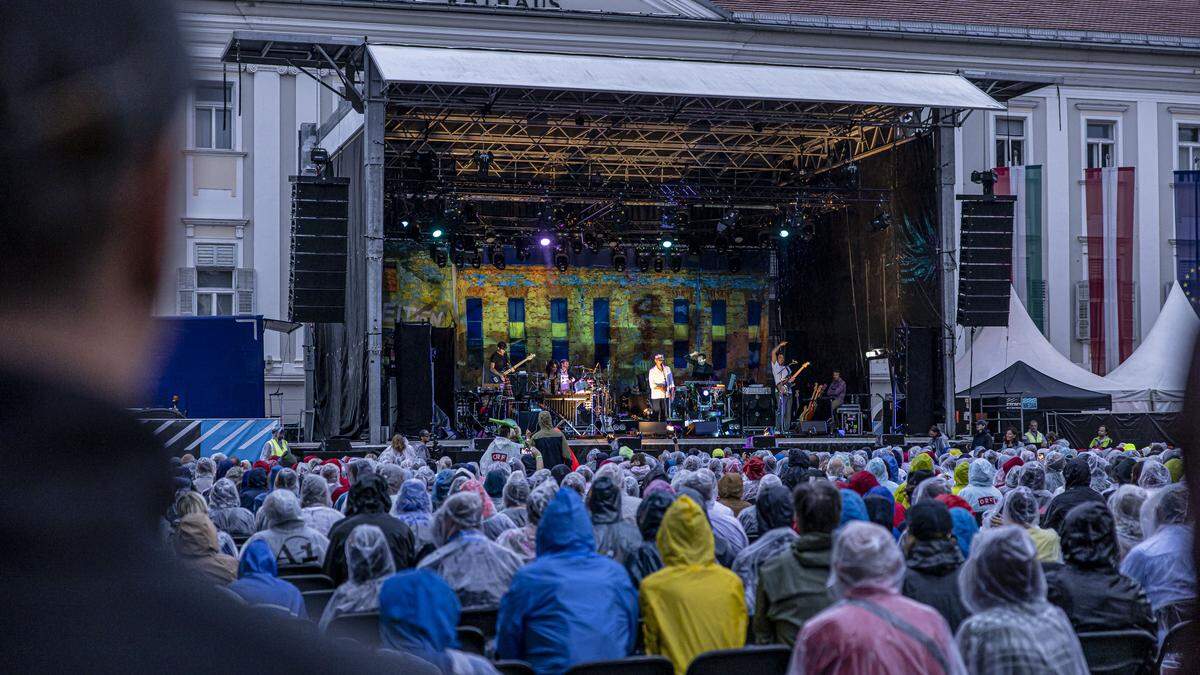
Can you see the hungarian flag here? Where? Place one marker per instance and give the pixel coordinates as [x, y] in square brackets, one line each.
[1108, 198]
[1025, 183]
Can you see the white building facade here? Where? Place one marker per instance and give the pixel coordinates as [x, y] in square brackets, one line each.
[1106, 100]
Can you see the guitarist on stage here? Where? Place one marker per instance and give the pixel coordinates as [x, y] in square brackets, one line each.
[783, 386]
[499, 363]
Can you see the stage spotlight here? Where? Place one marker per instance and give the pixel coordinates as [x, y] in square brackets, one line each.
[561, 261]
[735, 263]
[728, 220]
[618, 260]
[667, 243]
[458, 258]
[475, 258]
[676, 263]
[438, 255]
[658, 263]
[576, 246]
[784, 232]
[642, 260]
[882, 219]
[437, 233]
[496, 256]
[544, 241]
[483, 163]
[523, 253]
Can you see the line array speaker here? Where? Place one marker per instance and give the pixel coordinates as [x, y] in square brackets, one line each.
[320, 216]
[985, 260]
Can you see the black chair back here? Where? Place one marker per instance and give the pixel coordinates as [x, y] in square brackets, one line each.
[360, 626]
[472, 640]
[297, 570]
[1182, 639]
[633, 665]
[764, 659]
[483, 618]
[1118, 651]
[315, 602]
[310, 582]
[513, 668]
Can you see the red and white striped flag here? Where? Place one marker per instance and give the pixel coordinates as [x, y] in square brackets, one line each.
[1109, 210]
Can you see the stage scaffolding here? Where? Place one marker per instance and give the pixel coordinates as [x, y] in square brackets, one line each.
[607, 133]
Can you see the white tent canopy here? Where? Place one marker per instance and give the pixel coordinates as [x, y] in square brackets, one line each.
[1154, 377]
[995, 348]
[674, 77]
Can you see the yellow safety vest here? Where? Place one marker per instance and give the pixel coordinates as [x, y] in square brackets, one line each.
[1035, 439]
[278, 450]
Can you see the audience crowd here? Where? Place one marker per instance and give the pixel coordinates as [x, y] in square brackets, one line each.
[890, 560]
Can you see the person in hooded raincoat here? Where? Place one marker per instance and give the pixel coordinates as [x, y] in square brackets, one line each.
[258, 584]
[878, 468]
[692, 605]
[729, 492]
[874, 629]
[226, 512]
[255, 486]
[369, 504]
[646, 560]
[1125, 504]
[514, 495]
[754, 470]
[775, 515]
[478, 569]
[1077, 489]
[725, 526]
[793, 586]
[196, 545]
[962, 476]
[933, 558]
[1012, 628]
[315, 507]
[570, 605]
[1021, 508]
[291, 540]
[1162, 564]
[979, 493]
[523, 540]
[1087, 586]
[615, 537]
[369, 561]
[418, 615]
[413, 508]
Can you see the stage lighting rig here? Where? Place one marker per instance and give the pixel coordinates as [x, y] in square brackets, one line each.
[483, 163]
[676, 263]
[658, 263]
[618, 260]
[728, 220]
[561, 261]
[882, 219]
[496, 257]
[438, 254]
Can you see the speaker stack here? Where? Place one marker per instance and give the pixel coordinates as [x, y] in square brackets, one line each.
[320, 216]
[914, 350]
[985, 260]
[758, 407]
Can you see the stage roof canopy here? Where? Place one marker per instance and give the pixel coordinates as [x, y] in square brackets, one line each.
[673, 77]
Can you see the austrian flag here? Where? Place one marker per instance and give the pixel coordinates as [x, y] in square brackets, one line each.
[1108, 199]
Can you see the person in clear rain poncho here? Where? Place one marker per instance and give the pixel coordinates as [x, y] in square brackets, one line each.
[317, 510]
[369, 561]
[1012, 628]
[291, 540]
[206, 471]
[493, 523]
[774, 512]
[1125, 504]
[1021, 508]
[368, 503]
[478, 569]
[1077, 489]
[523, 540]
[615, 537]
[1163, 563]
[413, 508]
[226, 511]
[514, 496]
[418, 615]
[874, 629]
[725, 525]
[1154, 476]
[979, 493]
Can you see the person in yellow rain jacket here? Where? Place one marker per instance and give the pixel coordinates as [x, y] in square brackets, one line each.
[692, 605]
[962, 472]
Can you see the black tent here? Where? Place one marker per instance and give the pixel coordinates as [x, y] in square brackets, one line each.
[1021, 379]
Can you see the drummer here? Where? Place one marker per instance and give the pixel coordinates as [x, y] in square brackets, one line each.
[565, 381]
[701, 368]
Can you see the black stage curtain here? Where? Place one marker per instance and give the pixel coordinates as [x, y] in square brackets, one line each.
[340, 380]
[1141, 429]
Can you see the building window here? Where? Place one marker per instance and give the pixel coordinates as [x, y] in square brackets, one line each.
[212, 116]
[1189, 147]
[215, 288]
[1010, 141]
[682, 334]
[753, 321]
[718, 335]
[600, 330]
[560, 346]
[474, 332]
[516, 328]
[1101, 144]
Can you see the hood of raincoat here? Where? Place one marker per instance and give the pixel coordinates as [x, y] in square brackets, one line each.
[256, 479]
[418, 613]
[878, 468]
[257, 559]
[961, 475]
[853, 507]
[368, 555]
[224, 495]
[604, 501]
[412, 498]
[650, 513]
[755, 468]
[685, 537]
[441, 486]
[921, 461]
[196, 536]
[281, 509]
[729, 486]
[774, 508]
[493, 484]
[565, 526]
[369, 495]
[1033, 477]
[1089, 537]
[862, 482]
[314, 491]
[881, 510]
[981, 473]
[1077, 473]
[965, 528]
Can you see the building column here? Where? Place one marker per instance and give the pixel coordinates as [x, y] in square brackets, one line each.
[1148, 225]
[1059, 228]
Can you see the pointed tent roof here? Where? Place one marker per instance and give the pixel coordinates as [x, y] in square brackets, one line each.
[1155, 374]
[1021, 379]
[996, 348]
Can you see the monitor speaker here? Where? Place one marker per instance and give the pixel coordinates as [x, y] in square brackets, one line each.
[985, 260]
[320, 217]
[704, 428]
[652, 428]
[632, 442]
[760, 442]
[813, 428]
[339, 445]
[892, 439]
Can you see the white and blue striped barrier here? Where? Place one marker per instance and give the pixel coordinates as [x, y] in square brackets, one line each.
[237, 438]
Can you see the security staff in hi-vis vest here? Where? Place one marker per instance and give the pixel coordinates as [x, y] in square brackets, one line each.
[276, 447]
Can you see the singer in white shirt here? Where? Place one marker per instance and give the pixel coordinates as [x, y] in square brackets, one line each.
[662, 388]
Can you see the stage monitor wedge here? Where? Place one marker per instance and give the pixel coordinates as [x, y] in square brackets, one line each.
[985, 260]
[317, 270]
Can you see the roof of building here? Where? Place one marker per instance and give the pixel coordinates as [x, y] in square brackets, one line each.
[1146, 17]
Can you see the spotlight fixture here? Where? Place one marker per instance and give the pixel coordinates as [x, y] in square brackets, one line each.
[561, 261]
[475, 258]
[642, 260]
[496, 257]
[676, 263]
[735, 263]
[658, 263]
[437, 233]
[728, 220]
[784, 232]
[882, 219]
[618, 260]
[544, 241]
[667, 243]
[483, 162]
[404, 223]
[458, 258]
[438, 254]
[523, 253]
[577, 246]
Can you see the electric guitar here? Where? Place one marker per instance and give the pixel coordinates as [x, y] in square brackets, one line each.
[806, 415]
[784, 387]
[504, 375]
